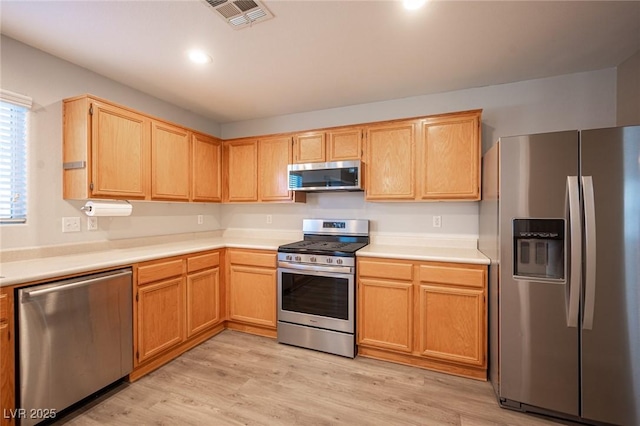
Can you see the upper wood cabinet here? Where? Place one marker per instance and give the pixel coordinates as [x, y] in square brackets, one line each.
[274, 155]
[256, 170]
[335, 145]
[344, 145]
[433, 159]
[110, 151]
[105, 151]
[451, 157]
[310, 148]
[390, 161]
[170, 162]
[206, 168]
[241, 170]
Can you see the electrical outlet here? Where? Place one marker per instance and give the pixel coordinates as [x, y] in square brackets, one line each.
[200, 219]
[269, 218]
[70, 224]
[437, 221]
[92, 223]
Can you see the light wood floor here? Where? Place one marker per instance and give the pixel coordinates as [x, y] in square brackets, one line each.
[241, 379]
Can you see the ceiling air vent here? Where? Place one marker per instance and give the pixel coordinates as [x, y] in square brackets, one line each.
[240, 13]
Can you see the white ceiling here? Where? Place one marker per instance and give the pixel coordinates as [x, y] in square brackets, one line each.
[323, 54]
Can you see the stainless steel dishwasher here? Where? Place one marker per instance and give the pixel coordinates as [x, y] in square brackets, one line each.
[75, 338]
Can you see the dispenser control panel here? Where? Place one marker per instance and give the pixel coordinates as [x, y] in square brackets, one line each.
[539, 249]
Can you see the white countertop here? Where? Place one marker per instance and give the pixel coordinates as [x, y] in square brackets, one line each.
[421, 253]
[25, 271]
[51, 267]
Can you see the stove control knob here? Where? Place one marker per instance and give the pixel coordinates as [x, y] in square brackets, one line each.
[289, 257]
[329, 260]
[298, 259]
[339, 261]
[312, 259]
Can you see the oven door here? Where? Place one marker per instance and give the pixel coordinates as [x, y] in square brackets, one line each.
[323, 299]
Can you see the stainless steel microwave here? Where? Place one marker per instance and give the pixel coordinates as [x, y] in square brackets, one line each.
[333, 176]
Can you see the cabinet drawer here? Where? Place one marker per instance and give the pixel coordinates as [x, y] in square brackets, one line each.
[267, 260]
[4, 308]
[204, 261]
[452, 275]
[159, 271]
[390, 270]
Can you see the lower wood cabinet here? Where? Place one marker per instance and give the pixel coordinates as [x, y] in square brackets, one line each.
[252, 278]
[7, 357]
[385, 305]
[203, 293]
[178, 305]
[160, 317]
[427, 314]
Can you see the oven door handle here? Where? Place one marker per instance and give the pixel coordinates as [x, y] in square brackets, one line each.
[313, 268]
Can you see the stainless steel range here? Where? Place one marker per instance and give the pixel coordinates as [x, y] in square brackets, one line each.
[316, 286]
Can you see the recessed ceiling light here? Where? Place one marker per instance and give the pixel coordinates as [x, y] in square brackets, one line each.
[413, 4]
[199, 57]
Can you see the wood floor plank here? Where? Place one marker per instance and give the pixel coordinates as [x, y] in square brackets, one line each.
[241, 379]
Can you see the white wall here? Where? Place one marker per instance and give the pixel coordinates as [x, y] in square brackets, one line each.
[628, 87]
[48, 80]
[584, 100]
[576, 101]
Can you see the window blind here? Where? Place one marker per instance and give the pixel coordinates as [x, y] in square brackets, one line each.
[13, 157]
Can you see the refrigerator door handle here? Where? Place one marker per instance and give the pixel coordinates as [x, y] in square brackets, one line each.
[590, 252]
[572, 296]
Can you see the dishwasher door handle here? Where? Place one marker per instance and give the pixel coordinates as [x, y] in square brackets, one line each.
[69, 286]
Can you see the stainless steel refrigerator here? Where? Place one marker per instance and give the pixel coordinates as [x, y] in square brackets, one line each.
[560, 220]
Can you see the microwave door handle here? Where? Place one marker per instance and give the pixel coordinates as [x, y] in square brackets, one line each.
[572, 295]
[590, 252]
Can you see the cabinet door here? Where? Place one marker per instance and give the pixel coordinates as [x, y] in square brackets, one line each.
[120, 152]
[242, 170]
[390, 157]
[385, 314]
[203, 300]
[160, 317]
[275, 155]
[451, 325]
[206, 178]
[344, 145]
[252, 295]
[170, 162]
[451, 158]
[310, 148]
[7, 360]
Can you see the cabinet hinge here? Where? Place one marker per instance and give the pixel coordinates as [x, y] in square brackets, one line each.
[137, 355]
[137, 298]
[91, 109]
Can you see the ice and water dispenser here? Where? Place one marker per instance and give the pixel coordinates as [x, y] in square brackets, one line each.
[539, 249]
